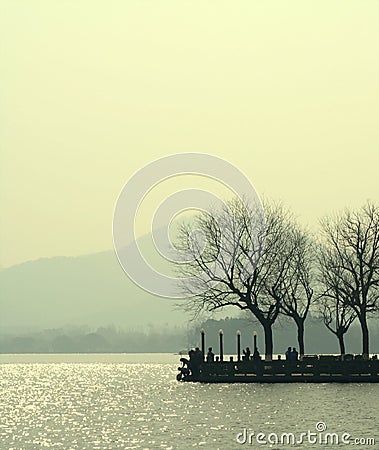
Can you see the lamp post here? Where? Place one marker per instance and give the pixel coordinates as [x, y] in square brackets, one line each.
[202, 331]
[238, 345]
[221, 336]
[256, 355]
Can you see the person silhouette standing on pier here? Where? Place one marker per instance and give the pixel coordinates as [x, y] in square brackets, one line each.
[246, 354]
[210, 355]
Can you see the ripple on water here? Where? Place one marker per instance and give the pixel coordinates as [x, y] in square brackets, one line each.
[134, 406]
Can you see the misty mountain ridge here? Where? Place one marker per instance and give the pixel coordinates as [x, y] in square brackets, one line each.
[88, 290]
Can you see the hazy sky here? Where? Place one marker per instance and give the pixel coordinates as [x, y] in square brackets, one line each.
[93, 90]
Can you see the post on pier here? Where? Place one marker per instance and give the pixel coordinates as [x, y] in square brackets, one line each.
[221, 336]
[238, 345]
[202, 331]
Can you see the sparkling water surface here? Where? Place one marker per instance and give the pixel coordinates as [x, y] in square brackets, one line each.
[129, 401]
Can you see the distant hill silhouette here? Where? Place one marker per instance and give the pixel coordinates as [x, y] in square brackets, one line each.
[88, 290]
[100, 340]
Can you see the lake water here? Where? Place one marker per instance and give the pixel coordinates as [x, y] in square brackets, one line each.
[134, 402]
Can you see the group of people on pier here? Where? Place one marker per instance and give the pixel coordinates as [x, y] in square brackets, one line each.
[292, 354]
[247, 355]
[196, 357]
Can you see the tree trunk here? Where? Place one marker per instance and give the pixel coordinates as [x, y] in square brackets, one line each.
[268, 341]
[341, 341]
[300, 336]
[365, 336]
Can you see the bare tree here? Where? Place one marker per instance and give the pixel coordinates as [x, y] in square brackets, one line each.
[333, 305]
[337, 317]
[236, 260]
[351, 268]
[297, 290]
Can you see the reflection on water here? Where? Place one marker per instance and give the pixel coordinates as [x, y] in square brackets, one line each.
[120, 402]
